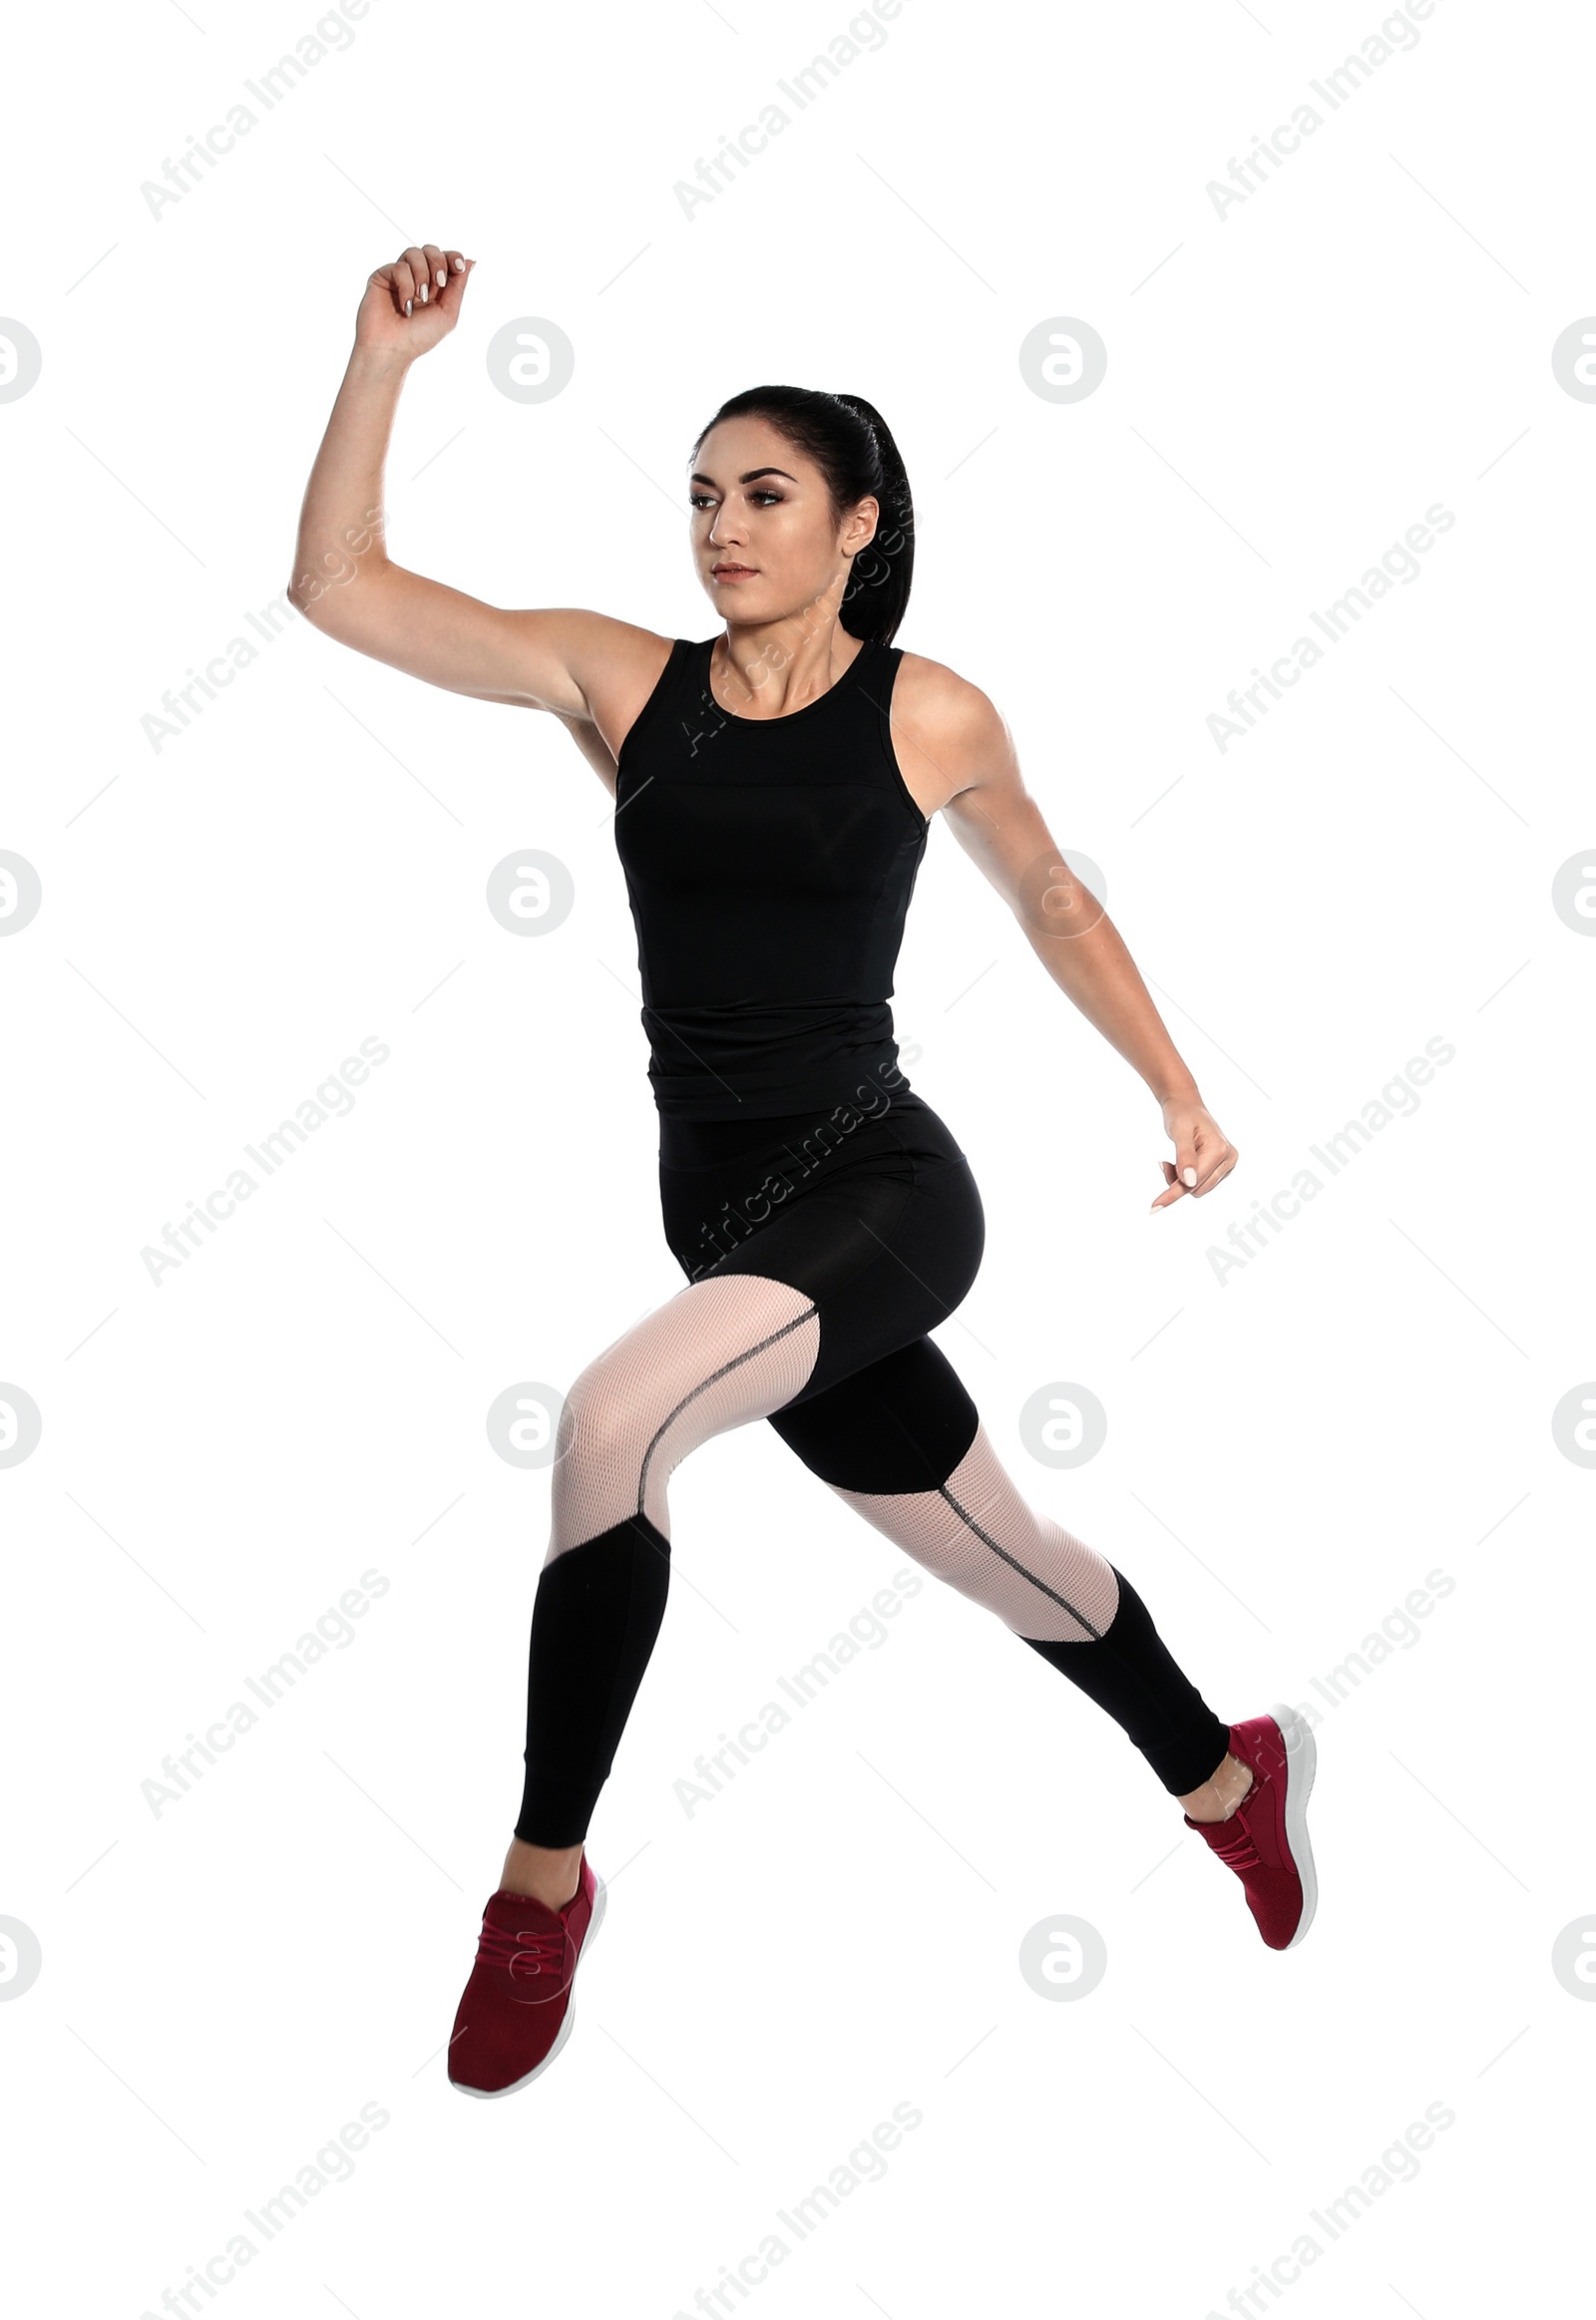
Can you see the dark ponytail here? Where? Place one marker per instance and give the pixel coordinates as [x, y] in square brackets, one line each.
[850, 443]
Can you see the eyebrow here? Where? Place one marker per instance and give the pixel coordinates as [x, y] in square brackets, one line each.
[753, 475]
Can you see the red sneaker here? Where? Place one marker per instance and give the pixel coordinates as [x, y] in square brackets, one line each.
[515, 2013]
[1265, 1840]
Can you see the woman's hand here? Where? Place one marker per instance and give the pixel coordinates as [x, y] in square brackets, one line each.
[412, 303]
[1203, 1155]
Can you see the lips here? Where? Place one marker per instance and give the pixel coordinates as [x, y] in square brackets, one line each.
[731, 572]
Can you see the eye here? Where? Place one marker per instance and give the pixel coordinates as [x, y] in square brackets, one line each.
[770, 498]
[699, 499]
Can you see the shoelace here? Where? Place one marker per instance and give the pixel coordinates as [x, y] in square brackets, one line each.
[523, 1953]
[1239, 1852]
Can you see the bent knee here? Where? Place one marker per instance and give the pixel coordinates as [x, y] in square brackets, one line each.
[601, 1445]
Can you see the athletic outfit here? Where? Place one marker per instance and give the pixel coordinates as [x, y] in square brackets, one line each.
[825, 1220]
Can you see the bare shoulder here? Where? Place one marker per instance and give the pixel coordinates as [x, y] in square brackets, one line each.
[950, 736]
[616, 664]
[601, 634]
[937, 695]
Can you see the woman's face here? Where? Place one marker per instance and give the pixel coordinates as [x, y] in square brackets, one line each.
[763, 538]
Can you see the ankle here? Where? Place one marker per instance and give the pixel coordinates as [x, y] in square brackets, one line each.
[1220, 1794]
[542, 1874]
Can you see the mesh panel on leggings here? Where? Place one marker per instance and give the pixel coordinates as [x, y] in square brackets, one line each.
[717, 1355]
[978, 1533]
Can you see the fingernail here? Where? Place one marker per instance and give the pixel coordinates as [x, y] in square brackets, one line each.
[1188, 1175]
[460, 266]
[409, 302]
[423, 293]
[442, 278]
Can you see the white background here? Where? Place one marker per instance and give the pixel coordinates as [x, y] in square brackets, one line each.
[1288, 1451]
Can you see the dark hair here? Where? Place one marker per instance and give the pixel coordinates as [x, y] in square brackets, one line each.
[849, 441]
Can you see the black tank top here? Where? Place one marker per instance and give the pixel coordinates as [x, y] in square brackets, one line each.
[769, 865]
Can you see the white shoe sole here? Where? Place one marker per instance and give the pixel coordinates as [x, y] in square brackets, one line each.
[1302, 1759]
[492, 2094]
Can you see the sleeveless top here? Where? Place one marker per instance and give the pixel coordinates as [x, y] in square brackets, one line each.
[769, 865]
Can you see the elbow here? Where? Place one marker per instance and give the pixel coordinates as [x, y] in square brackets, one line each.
[321, 591]
[308, 596]
[318, 584]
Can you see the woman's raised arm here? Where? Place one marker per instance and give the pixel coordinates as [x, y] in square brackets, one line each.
[581, 665]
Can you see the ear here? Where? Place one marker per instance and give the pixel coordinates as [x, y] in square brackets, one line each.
[862, 525]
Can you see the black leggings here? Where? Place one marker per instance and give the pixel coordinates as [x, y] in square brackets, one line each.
[819, 1251]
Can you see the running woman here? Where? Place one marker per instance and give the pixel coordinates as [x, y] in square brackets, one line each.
[774, 788]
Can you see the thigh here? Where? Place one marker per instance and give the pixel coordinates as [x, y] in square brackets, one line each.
[717, 1355]
[879, 1223]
